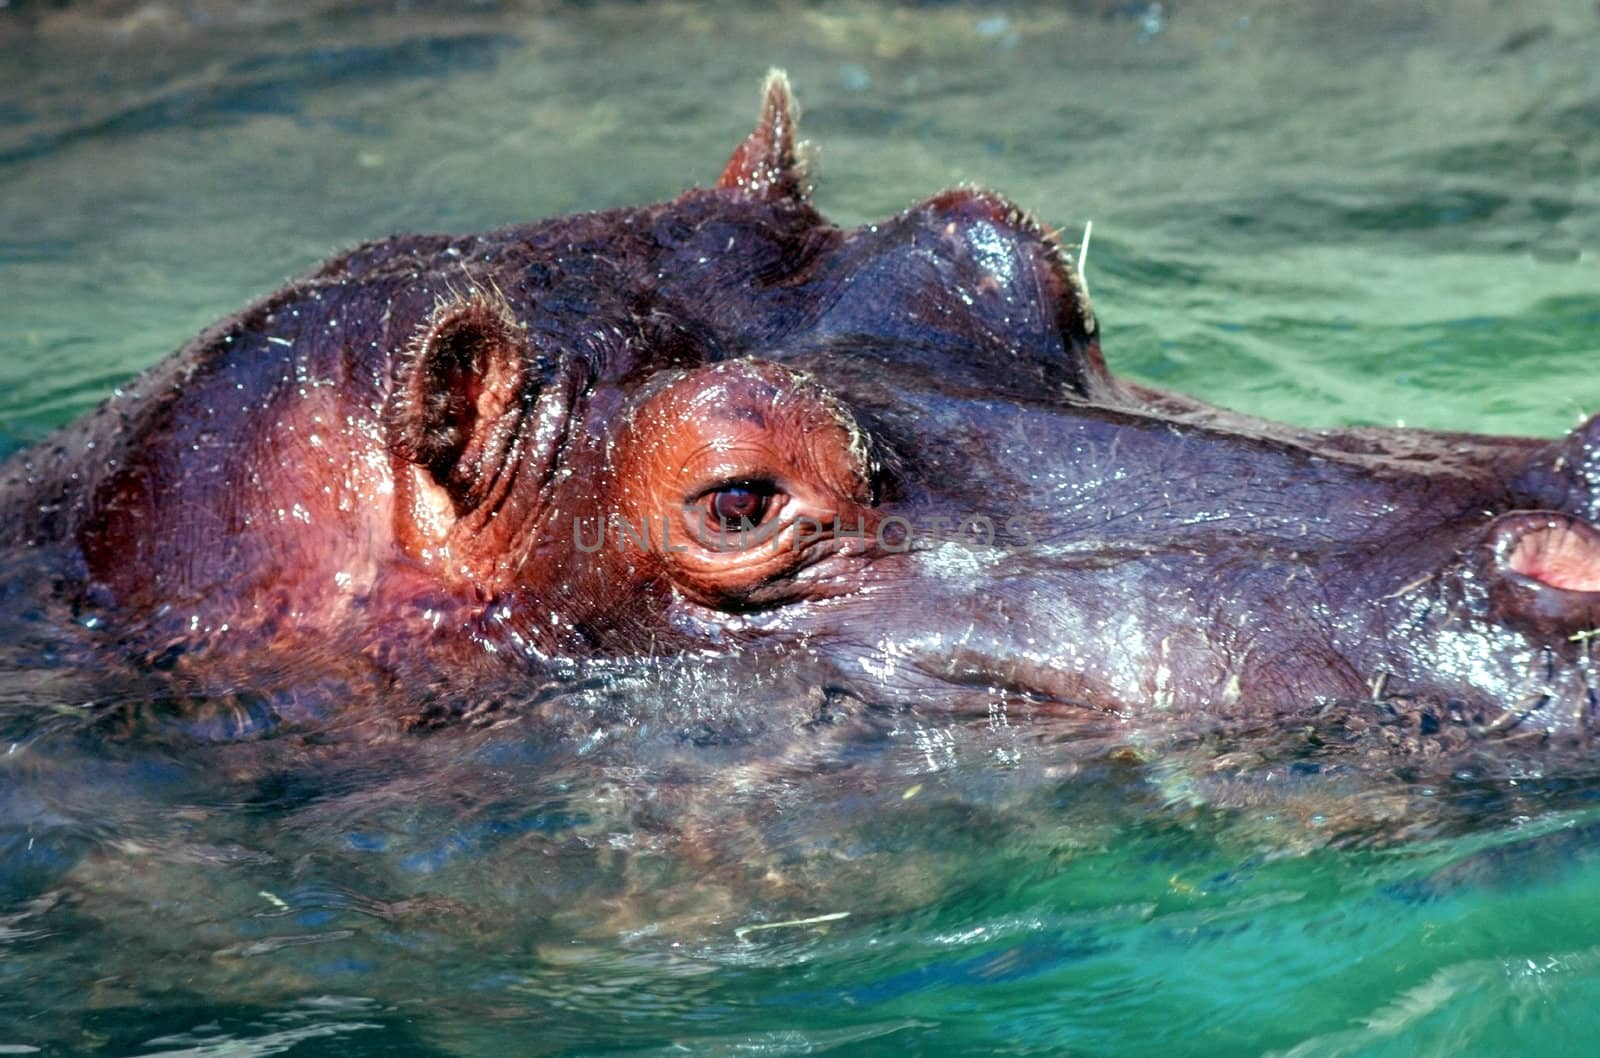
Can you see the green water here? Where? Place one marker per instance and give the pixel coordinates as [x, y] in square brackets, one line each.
[1324, 212]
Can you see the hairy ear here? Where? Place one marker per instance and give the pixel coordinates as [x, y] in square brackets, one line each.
[768, 163]
[459, 395]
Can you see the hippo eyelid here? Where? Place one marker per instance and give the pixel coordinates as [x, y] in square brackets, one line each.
[746, 413]
[764, 485]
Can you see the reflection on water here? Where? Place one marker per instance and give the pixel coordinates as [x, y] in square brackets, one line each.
[1333, 213]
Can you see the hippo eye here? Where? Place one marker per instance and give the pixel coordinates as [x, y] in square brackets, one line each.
[734, 504]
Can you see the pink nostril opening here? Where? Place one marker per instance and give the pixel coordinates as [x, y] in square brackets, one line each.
[1558, 555]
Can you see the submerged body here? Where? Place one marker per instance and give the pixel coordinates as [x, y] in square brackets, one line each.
[722, 427]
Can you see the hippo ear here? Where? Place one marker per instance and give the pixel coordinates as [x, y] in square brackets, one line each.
[768, 164]
[458, 397]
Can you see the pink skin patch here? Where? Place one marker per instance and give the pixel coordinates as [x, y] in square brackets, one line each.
[1559, 555]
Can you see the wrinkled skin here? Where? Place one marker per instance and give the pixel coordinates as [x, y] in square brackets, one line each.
[453, 458]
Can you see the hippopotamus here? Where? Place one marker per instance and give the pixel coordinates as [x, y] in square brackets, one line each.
[722, 427]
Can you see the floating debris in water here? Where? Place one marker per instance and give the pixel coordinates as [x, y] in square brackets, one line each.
[743, 932]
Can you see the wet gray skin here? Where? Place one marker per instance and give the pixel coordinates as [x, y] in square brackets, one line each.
[456, 463]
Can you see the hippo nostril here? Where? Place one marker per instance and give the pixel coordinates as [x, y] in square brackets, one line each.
[1555, 550]
[1543, 570]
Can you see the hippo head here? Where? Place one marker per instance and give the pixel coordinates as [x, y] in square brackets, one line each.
[722, 426]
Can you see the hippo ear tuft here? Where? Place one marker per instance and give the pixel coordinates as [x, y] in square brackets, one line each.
[458, 396]
[768, 163]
